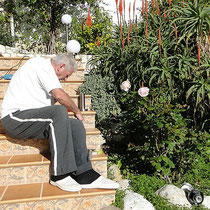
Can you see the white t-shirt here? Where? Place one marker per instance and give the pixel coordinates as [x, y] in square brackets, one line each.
[30, 86]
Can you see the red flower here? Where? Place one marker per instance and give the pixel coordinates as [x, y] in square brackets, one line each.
[146, 31]
[169, 2]
[158, 10]
[175, 31]
[153, 5]
[164, 14]
[142, 9]
[128, 38]
[159, 37]
[98, 41]
[134, 9]
[89, 21]
[146, 6]
[131, 27]
[120, 7]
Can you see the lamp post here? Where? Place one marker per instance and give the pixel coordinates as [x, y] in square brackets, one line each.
[73, 46]
[66, 19]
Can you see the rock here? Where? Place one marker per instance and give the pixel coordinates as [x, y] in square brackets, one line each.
[124, 184]
[174, 195]
[206, 202]
[136, 201]
[115, 173]
[2, 49]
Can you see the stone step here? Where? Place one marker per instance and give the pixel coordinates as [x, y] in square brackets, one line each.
[75, 98]
[10, 146]
[34, 168]
[78, 75]
[71, 86]
[45, 196]
[16, 62]
[89, 118]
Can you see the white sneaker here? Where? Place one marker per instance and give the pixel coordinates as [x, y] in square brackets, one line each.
[67, 184]
[102, 183]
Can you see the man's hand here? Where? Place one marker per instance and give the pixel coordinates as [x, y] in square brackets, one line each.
[63, 98]
[79, 116]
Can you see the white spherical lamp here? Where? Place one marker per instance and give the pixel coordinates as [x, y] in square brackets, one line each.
[66, 19]
[73, 46]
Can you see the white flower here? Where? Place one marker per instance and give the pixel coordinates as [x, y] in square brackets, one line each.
[125, 85]
[143, 91]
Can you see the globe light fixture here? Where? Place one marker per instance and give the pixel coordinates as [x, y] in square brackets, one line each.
[66, 19]
[73, 46]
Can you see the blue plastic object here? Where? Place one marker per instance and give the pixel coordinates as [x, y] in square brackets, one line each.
[8, 76]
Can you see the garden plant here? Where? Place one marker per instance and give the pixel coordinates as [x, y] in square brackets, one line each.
[149, 83]
[163, 135]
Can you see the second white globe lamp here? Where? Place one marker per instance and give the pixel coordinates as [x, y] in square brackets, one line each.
[66, 19]
[73, 46]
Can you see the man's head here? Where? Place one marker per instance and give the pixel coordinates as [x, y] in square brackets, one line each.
[64, 65]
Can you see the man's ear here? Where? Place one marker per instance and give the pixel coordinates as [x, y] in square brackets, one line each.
[62, 66]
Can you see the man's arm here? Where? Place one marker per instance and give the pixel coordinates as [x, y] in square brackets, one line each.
[63, 98]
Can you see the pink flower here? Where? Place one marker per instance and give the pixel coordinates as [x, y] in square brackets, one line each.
[125, 85]
[143, 91]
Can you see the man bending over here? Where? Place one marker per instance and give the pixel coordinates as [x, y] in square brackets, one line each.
[28, 111]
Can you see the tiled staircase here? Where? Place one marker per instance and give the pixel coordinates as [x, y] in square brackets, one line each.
[24, 164]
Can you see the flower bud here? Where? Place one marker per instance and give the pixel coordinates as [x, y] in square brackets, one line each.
[125, 85]
[143, 91]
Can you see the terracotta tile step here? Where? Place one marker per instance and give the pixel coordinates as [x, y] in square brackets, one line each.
[10, 146]
[27, 169]
[78, 75]
[46, 196]
[16, 62]
[26, 58]
[89, 118]
[71, 86]
[15, 68]
[62, 82]
[75, 98]
[35, 159]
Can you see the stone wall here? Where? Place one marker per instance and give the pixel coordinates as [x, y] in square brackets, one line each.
[6, 51]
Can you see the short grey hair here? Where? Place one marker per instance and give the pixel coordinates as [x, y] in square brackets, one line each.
[67, 59]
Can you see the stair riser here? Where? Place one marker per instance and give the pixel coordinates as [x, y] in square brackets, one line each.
[18, 63]
[37, 173]
[79, 203]
[76, 101]
[70, 88]
[11, 63]
[89, 121]
[79, 75]
[37, 146]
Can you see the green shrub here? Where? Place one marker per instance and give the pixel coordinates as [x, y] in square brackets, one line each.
[198, 175]
[147, 186]
[103, 98]
[5, 34]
